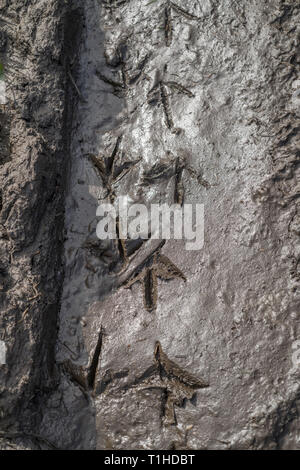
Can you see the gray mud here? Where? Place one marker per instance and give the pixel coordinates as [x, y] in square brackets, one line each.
[200, 100]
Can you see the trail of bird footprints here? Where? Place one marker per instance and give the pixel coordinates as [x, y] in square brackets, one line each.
[175, 384]
[157, 95]
[169, 9]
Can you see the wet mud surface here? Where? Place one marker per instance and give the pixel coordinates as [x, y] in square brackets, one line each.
[148, 345]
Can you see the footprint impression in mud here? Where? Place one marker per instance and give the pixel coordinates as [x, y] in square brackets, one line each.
[111, 169]
[171, 8]
[159, 95]
[147, 273]
[176, 384]
[171, 166]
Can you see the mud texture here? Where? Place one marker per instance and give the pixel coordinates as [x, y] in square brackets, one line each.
[34, 160]
[148, 345]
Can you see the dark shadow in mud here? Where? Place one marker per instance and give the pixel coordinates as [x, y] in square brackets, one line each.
[4, 136]
[90, 265]
[5, 119]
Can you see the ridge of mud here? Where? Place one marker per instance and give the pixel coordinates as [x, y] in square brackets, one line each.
[41, 42]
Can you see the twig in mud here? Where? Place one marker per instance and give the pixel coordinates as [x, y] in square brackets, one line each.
[23, 316]
[36, 293]
[75, 86]
[24, 313]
